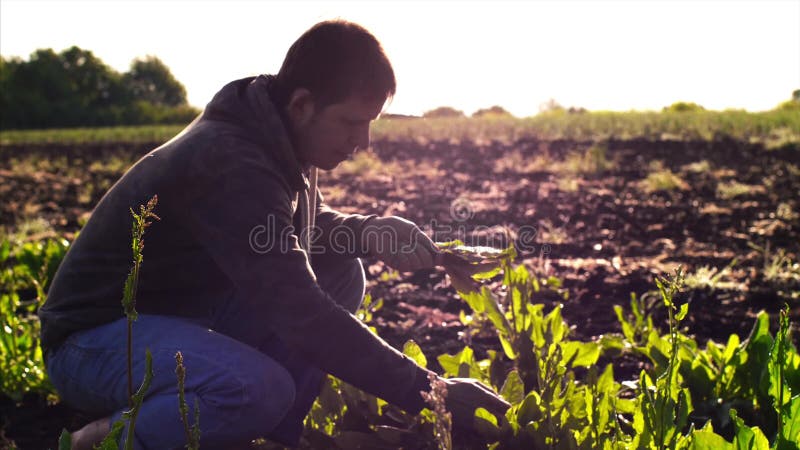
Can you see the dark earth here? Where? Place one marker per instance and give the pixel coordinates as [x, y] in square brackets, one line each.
[597, 228]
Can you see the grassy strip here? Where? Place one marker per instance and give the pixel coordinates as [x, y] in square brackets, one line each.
[127, 134]
[773, 128]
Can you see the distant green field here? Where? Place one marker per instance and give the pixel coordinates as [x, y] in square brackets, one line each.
[773, 128]
[140, 133]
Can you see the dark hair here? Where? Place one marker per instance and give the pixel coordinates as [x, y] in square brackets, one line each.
[334, 60]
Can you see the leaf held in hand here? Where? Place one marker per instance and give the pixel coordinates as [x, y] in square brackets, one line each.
[465, 265]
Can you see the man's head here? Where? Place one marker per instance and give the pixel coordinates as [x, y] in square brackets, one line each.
[334, 81]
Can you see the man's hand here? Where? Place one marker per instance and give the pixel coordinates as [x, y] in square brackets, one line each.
[465, 395]
[400, 244]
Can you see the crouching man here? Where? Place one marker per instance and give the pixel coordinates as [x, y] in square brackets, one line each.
[232, 277]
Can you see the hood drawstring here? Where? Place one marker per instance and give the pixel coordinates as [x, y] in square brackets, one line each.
[308, 211]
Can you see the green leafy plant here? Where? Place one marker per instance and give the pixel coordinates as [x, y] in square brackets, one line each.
[663, 405]
[711, 278]
[111, 441]
[140, 222]
[443, 419]
[590, 162]
[368, 308]
[191, 432]
[662, 179]
[734, 189]
[743, 394]
[25, 273]
[779, 270]
[637, 328]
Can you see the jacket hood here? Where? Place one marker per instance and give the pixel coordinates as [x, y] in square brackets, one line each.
[246, 104]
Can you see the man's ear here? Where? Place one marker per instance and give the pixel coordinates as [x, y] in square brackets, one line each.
[300, 107]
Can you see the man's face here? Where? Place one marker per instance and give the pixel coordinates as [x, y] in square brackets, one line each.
[326, 137]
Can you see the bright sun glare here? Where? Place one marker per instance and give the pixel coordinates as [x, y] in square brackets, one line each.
[599, 55]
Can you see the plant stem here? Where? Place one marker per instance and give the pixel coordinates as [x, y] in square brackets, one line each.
[782, 331]
[140, 222]
[137, 399]
[130, 362]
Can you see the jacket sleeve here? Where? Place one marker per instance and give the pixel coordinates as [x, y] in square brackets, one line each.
[338, 234]
[242, 216]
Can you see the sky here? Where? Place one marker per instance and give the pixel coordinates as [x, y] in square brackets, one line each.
[469, 54]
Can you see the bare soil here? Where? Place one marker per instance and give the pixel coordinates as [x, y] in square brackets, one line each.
[600, 232]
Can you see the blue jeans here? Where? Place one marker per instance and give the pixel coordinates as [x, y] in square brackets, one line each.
[246, 382]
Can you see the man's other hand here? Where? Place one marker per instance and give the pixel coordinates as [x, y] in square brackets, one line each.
[399, 243]
[465, 395]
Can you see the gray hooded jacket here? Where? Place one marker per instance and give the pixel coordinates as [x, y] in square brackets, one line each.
[228, 188]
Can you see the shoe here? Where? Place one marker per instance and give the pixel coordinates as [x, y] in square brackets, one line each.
[92, 434]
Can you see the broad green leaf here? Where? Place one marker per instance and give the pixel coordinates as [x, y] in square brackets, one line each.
[700, 376]
[530, 410]
[393, 435]
[640, 425]
[683, 408]
[708, 440]
[520, 275]
[791, 421]
[553, 281]
[360, 439]
[519, 310]
[580, 354]
[488, 274]
[513, 389]
[449, 363]
[658, 350]
[637, 312]
[761, 328]
[779, 390]
[537, 332]
[329, 398]
[730, 349]
[493, 310]
[475, 253]
[462, 364]
[5, 250]
[613, 342]
[111, 441]
[682, 312]
[624, 405]
[755, 370]
[508, 349]
[475, 301]
[605, 383]
[604, 411]
[747, 438]
[557, 328]
[775, 386]
[65, 439]
[715, 350]
[482, 414]
[627, 330]
[412, 350]
[465, 264]
[574, 403]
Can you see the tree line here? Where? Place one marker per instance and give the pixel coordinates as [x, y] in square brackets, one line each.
[74, 88]
[553, 107]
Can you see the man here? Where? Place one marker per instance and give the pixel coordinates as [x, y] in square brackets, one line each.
[247, 273]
